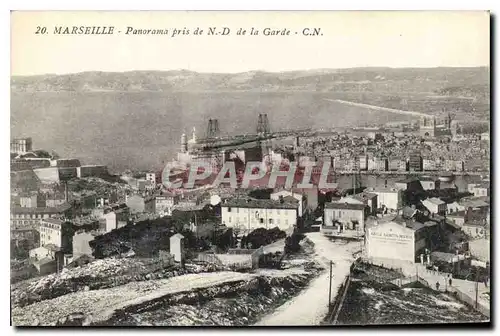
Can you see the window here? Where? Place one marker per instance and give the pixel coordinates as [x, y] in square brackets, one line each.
[228, 209]
[286, 221]
[278, 211]
[278, 221]
[270, 221]
[229, 220]
[237, 210]
[262, 221]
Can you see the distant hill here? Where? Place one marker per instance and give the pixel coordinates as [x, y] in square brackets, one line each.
[370, 79]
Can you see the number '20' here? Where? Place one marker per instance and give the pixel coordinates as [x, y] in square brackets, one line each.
[41, 30]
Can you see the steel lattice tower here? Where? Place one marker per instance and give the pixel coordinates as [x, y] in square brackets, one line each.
[263, 124]
[213, 128]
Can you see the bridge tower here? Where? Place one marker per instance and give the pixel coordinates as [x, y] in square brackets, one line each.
[263, 124]
[213, 128]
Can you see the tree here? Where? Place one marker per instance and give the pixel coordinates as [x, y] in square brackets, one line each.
[42, 153]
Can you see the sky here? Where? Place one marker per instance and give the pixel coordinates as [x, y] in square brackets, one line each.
[349, 39]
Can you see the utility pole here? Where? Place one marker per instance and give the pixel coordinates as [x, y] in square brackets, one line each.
[330, 288]
[477, 286]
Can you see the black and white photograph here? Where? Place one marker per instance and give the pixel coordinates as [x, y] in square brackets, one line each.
[250, 168]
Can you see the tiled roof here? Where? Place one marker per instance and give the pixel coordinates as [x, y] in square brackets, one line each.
[44, 210]
[345, 205]
[259, 203]
[434, 200]
[409, 223]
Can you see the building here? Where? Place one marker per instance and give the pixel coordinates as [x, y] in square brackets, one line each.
[345, 215]
[427, 126]
[145, 185]
[458, 218]
[299, 197]
[390, 198]
[475, 228]
[397, 164]
[92, 170]
[378, 164]
[140, 204]
[30, 217]
[410, 184]
[114, 217]
[248, 214]
[363, 162]
[435, 206]
[165, 202]
[453, 165]
[56, 232]
[479, 189]
[21, 145]
[398, 239]
[31, 200]
[81, 243]
[454, 207]
[65, 163]
[429, 183]
[415, 162]
[151, 177]
[368, 199]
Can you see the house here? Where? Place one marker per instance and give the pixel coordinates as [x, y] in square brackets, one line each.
[391, 198]
[475, 223]
[411, 184]
[56, 232]
[475, 228]
[458, 218]
[479, 189]
[145, 185]
[366, 198]
[140, 204]
[435, 205]
[30, 217]
[164, 202]
[114, 217]
[429, 183]
[454, 207]
[31, 200]
[397, 239]
[81, 244]
[299, 197]
[151, 177]
[46, 259]
[248, 214]
[345, 215]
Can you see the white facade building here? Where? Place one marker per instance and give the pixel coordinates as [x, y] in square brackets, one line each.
[248, 214]
[391, 198]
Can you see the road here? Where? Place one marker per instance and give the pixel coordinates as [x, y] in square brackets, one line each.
[311, 305]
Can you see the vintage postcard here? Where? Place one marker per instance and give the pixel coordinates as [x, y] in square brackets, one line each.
[239, 168]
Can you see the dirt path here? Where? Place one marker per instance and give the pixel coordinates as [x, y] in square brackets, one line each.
[311, 305]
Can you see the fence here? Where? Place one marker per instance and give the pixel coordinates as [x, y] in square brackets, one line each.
[464, 297]
[460, 294]
[338, 301]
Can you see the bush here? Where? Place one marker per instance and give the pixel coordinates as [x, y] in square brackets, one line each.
[261, 237]
[292, 243]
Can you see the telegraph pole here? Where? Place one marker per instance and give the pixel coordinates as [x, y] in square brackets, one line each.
[477, 286]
